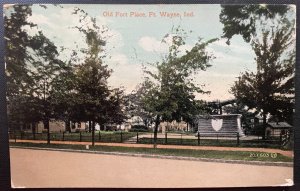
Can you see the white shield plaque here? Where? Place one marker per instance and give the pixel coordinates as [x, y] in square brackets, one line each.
[217, 124]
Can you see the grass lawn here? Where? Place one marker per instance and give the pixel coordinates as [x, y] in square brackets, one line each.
[213, 142]
[229, 155]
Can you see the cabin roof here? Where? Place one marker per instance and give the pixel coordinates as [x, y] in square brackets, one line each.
[279, 125]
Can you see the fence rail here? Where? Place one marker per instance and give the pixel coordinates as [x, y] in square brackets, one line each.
[167, 138]
[114, 137]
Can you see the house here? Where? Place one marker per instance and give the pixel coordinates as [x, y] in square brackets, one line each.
[173, 126]
[55, 126]
[277, 129]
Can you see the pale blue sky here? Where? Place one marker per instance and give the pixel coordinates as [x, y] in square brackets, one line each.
[137, 40]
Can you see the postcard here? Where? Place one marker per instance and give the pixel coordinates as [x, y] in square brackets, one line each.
[150, 95]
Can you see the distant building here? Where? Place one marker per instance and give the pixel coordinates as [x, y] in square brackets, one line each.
[276, 129]
[173, 126]
[55, 126]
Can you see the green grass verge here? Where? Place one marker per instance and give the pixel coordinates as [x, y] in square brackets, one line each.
[227, 155]
[214, 142]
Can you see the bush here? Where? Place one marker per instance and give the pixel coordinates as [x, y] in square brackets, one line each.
[138, 128]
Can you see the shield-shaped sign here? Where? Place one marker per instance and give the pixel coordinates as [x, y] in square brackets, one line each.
[217, 124]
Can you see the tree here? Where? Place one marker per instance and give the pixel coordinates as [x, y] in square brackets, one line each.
[63, 95]
[46, 66]
[16, 56]
[94, 102]
[32, 63]
[270, 90]
[17, 42]
[245, 20]
[134, 105]
[171, 89]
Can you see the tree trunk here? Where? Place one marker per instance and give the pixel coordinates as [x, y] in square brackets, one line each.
[155, 131]
[68, 125]
[93, 133]
[33, 130]
[264, 125]
[90, 126]
[46, 126]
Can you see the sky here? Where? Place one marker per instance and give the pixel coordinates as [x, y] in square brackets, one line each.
[134, 40]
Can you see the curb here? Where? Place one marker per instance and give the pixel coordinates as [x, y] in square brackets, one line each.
[260, 163]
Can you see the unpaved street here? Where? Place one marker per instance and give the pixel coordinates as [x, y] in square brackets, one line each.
[37, 168]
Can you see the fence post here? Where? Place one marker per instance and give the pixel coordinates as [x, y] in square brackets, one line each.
[99, 137]
[121, 137]
[21, 135]
[198, 138]
[63, 138]
[166, 138]
[15, 136]
[137, 137]
[280, 138]
[151, 138]
[238, 138]
[80, 137]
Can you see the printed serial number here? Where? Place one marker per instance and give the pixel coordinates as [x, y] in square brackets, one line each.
[263, 155]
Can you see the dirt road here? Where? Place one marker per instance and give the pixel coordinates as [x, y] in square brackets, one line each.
[37, 168]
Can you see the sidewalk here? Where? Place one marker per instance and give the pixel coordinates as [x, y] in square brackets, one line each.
[268, 150]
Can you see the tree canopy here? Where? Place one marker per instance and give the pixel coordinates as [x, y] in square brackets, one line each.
[245, 20]
[170, 89]
[270, 90]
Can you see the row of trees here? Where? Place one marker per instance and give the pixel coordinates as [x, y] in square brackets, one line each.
[40, 86]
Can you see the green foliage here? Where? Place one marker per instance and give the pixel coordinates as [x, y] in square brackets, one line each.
[138, 128]
[134, 105]
[41, 86]
[17, 42]
[94, 100]
[169, 92]
[245, 20]
[32, 65]
[270, 90]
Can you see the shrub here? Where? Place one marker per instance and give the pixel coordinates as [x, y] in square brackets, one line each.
[140, 128]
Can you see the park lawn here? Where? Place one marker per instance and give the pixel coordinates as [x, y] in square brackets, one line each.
[213, 142]
[209, 154]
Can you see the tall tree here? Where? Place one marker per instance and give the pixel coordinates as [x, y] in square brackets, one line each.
[16, 56]
[270, 90]
[45, 69]
[93, 94]
[32, 62]
[170, 89]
